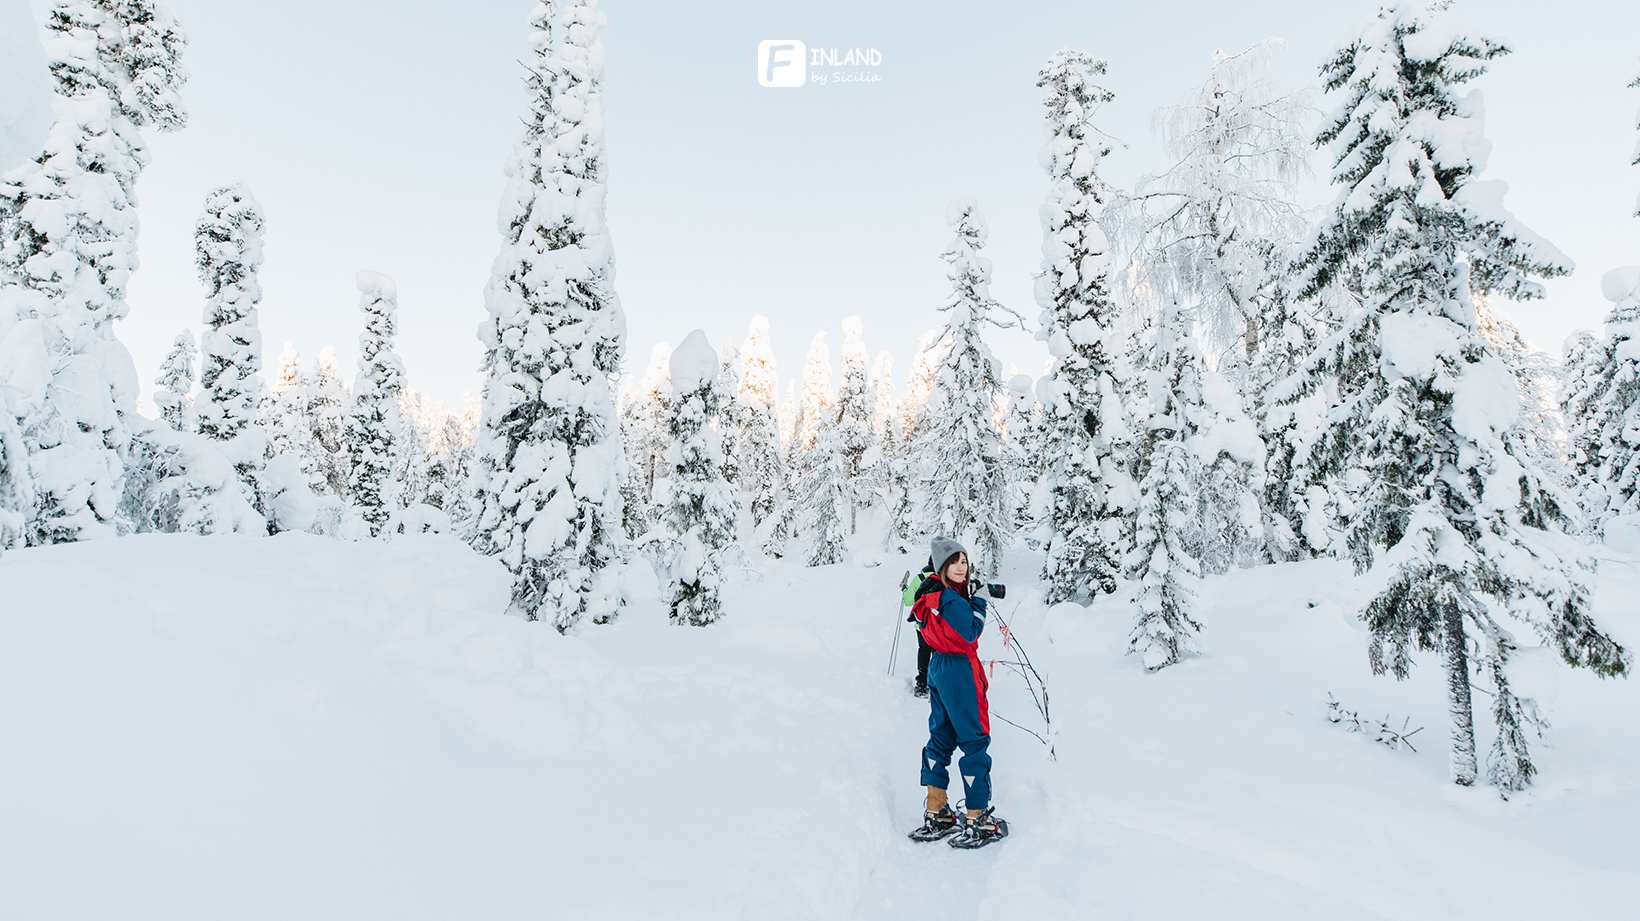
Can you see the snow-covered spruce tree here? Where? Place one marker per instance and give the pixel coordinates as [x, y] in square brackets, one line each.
[550, 443]
[699, 519]
[373, 423]
[325, 450]
[763, 476]
[819, 510]
[173, 389]
[885, 422]
[228, 250]
[817, 399]
[68, 239]
[791, 419]
[903, 502]
[1022, 446]
[1602, 405]
[1088, 491]
[410, 451]
[728, 414]
[283, 413]
[1439, 512]
[644, 428]
[861, 454]
[1163, 560]
[963, 478]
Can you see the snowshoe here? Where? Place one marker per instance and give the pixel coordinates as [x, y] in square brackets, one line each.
[980, 830]
[936, 825]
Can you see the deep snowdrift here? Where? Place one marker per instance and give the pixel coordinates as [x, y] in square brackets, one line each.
[297, 727]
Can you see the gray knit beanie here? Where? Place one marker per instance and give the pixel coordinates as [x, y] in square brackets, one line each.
[944, 549]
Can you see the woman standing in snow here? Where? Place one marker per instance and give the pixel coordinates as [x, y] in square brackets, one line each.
[951, 620]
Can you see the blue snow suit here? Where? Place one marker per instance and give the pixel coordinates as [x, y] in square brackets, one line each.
[958, 715]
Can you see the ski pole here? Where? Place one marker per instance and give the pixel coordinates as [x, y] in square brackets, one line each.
[899, 621]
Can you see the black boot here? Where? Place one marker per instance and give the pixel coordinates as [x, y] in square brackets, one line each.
[936, 825]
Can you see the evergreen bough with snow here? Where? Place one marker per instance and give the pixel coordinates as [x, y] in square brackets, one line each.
[1089, 491]
[762, 472]
[699, 519]
[551, 462]
[1459, 531]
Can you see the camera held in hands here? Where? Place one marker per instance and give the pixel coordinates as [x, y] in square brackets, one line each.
[994, 589]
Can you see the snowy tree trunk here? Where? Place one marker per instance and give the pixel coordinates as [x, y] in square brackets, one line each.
[1460, 710]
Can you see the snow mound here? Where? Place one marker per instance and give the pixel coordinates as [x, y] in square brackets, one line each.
[1621, 283]
[693, 364]
[376, 286]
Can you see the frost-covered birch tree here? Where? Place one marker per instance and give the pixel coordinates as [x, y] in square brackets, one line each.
[1089, 493]
[1442, 512]
[551, 463]
[963, 478]
[699, 519]
[68, 246]
[1218, 228]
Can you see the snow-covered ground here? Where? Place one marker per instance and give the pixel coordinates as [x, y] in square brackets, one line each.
[301, 728]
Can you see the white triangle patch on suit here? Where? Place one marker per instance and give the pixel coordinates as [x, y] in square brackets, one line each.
[968, 780]
[930, 764]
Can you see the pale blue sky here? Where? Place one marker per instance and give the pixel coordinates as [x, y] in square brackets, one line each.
[373, 133]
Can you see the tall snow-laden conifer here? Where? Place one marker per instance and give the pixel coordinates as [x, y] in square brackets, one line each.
[325, 451]
[762, 473]
[964, 479]
[410, 451]
[1085, 430]
[551, 463]
[885, 427]
[1022, 446]
[173, 389]
[728, 415]
[373, 421]
[1164, 558]
[284, 413]
[819, 509]
[1602, 404]
[699, 519]
[1442, 511]
[861, 453]
[228, 244]
[68, 246]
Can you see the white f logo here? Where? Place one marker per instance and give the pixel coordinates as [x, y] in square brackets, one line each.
[782, 62]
